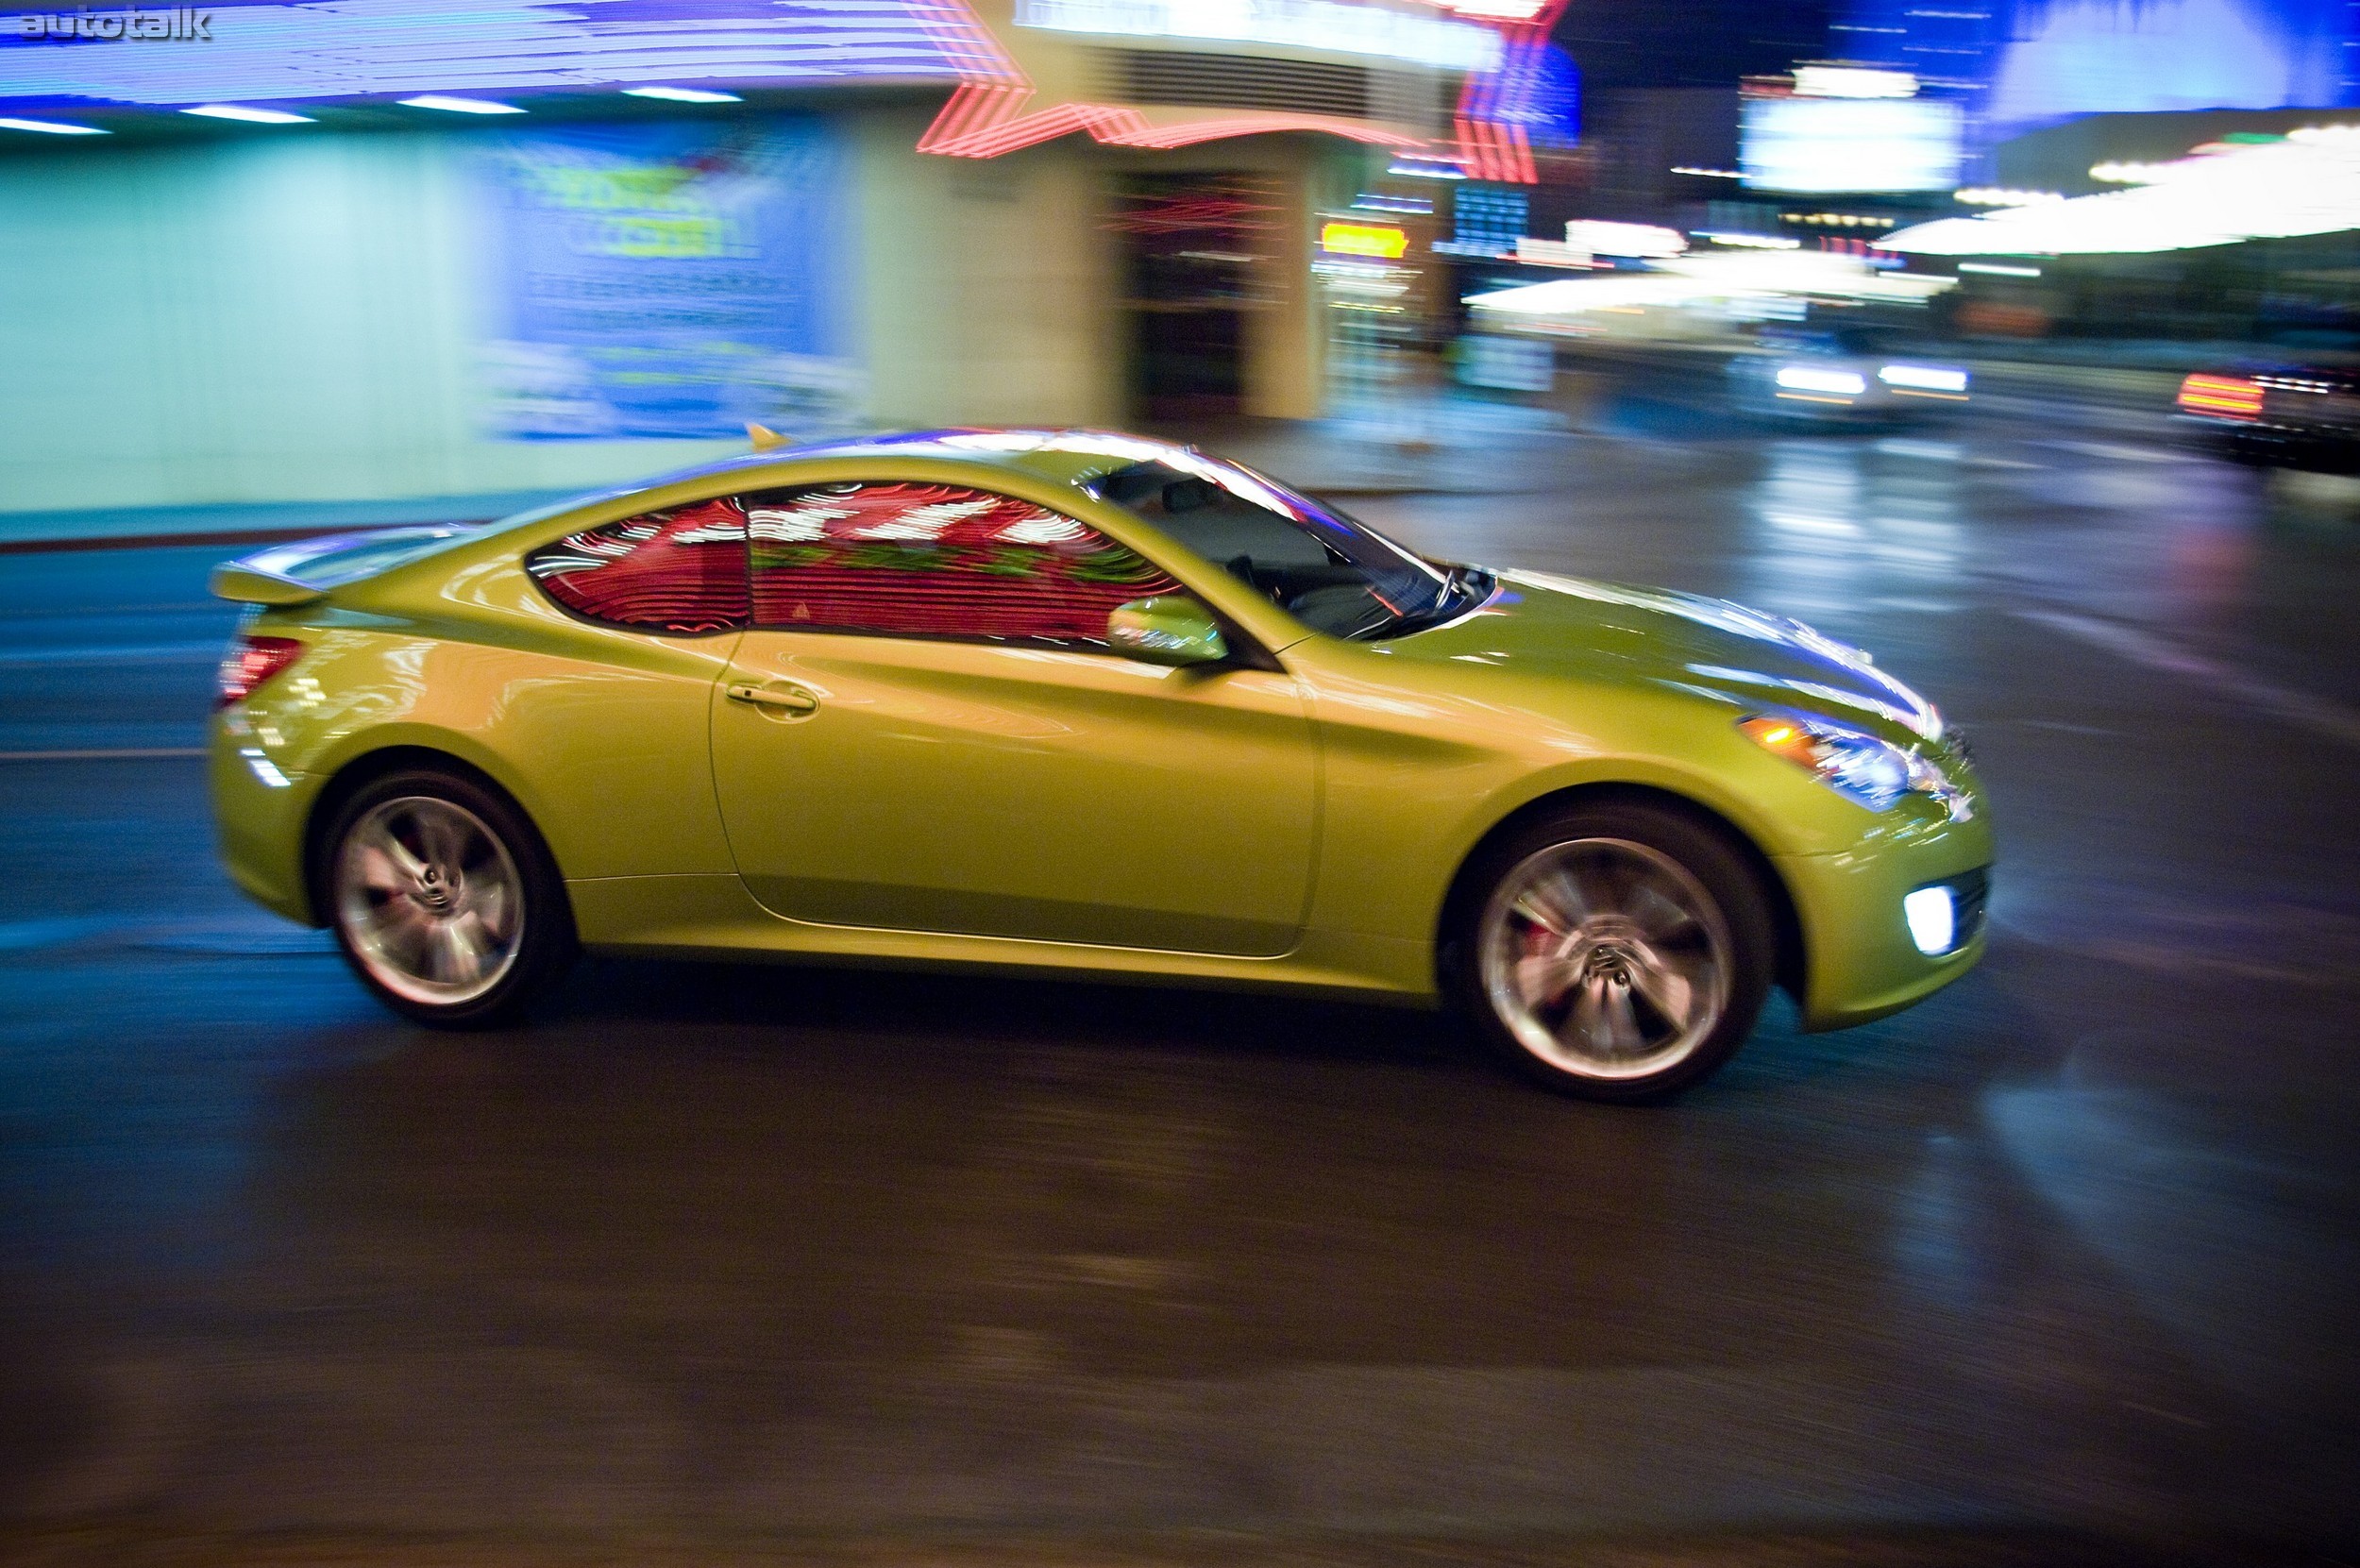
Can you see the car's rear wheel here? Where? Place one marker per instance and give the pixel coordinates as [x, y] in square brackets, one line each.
[443, 899]
[1613, 950]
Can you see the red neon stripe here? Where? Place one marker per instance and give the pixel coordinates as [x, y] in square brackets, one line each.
[981, 103]
[1257, 125]
[1523, 171]
[983, 117]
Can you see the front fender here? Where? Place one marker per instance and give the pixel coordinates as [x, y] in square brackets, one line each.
[1418, 772]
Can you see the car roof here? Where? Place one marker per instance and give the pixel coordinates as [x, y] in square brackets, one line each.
[1060, 456]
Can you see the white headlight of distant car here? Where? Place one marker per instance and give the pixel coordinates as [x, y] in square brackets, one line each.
[1923, 377]
[1812, 378]
[1863, 767]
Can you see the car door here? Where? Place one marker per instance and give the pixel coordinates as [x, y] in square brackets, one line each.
[923, 729]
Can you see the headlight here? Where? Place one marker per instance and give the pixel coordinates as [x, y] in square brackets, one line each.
[1923, 377]
[1874, 772]
[1807, 378]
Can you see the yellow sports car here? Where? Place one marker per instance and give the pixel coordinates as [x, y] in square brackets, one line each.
[1082, 702]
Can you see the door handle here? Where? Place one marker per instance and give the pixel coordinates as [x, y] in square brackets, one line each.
[790, 699]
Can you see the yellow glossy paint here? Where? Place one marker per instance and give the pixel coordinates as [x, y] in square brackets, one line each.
[903, 800]
[1020, 792]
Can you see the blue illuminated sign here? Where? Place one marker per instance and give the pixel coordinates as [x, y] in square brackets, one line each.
[2022, 63]
[667, 280]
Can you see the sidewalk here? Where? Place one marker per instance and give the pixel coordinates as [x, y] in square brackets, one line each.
[1440, 445]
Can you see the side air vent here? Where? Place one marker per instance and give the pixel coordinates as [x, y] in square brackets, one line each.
[1236, 81]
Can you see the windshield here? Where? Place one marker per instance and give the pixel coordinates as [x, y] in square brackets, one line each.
[1332, 573]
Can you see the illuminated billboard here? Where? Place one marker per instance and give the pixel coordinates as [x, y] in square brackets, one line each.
[667, 280]
[2023, 63]
[1849, 144]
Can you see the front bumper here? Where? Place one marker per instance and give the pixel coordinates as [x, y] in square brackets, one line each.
[1860, 961]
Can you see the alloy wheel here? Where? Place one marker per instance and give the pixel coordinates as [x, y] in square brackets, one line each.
[429, 900]
[1604, 958]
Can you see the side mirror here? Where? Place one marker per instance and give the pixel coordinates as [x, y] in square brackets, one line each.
[1165, 630]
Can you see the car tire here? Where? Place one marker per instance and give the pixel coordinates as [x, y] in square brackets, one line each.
[1615, 949]
[444, 898]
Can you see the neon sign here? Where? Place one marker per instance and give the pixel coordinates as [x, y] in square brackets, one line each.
[1382, 240]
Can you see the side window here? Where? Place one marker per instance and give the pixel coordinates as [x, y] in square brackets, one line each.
[936, 561]
[681, 572]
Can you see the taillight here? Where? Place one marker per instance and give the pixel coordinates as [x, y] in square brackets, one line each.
[251, 661]
[2223, 397]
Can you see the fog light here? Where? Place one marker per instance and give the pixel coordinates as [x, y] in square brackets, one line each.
[1934, 920]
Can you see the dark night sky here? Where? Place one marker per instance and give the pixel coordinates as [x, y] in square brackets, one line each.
[1688, 42]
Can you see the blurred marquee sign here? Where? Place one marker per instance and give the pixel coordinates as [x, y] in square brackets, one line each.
[327, 50]
[301, 52]
[1516, 89]
[1329, 27]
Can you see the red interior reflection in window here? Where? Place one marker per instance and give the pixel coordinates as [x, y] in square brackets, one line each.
[669, 572]
[941, 561]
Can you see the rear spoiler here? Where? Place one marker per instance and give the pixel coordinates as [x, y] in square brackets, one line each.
[306, 570]
[242, 584]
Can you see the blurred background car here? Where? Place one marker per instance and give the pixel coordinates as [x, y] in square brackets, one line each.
[2299, 416]
[1841, 373]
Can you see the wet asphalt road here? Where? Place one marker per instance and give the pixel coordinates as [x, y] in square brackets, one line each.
[753, 1255]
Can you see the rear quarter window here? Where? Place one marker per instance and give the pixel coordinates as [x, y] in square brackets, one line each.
[681, 572]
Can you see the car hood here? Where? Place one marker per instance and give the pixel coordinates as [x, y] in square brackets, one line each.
[1683, 642]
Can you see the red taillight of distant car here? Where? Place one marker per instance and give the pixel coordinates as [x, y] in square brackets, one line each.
[250, 662]
[2222, 396]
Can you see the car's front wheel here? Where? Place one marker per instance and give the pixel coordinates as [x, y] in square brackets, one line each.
[444, 898]
[1614, 949]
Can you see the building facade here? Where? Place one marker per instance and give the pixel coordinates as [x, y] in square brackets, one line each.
[346, 250]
